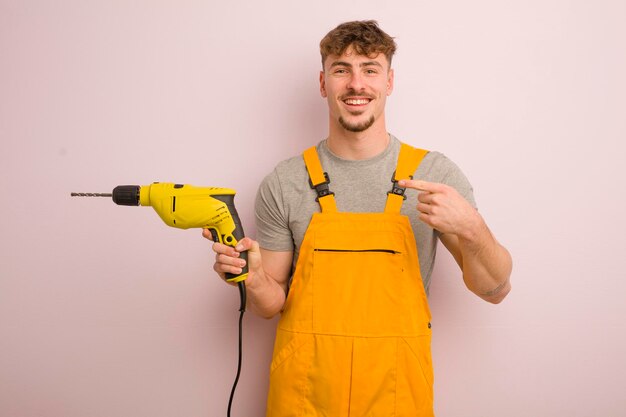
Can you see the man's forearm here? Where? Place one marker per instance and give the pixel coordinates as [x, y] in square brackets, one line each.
[486, 264]
[265, 296]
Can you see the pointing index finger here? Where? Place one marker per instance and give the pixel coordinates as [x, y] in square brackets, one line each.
[419, 185]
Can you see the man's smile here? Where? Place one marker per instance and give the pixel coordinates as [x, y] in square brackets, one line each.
[357, 101]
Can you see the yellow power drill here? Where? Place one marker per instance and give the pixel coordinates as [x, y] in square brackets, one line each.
[185, 206]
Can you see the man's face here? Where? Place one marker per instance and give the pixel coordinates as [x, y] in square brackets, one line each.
[356, 87]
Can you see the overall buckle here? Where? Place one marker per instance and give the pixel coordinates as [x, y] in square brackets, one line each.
[322, 189]
[396, 189]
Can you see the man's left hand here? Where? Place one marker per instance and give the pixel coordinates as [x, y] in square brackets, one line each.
[443, 208]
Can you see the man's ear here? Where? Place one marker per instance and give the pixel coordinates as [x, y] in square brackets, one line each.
[390, 82]
[323, 85]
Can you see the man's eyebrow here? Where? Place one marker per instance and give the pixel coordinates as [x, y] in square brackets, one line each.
[362, 64]
[370, 63]
[340, 64]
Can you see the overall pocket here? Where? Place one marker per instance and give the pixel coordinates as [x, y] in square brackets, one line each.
[289, 371]
[359, 289]
[415, 377]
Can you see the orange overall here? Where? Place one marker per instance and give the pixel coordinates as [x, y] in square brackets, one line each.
[354, 336]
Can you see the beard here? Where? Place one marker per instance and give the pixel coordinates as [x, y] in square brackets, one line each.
[357, 127]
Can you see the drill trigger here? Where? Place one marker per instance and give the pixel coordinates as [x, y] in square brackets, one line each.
[215, 235]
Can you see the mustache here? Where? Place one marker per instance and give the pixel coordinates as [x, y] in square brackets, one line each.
[354, 94]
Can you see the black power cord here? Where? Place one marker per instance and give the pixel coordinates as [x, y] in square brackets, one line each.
[242, 308]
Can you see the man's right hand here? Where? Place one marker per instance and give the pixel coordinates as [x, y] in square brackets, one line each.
[228, 259]
[266, 283]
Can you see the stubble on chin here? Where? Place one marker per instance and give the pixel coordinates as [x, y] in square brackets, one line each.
[357, 127]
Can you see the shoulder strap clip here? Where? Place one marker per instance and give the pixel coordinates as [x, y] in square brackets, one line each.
[322, 189]
[396, 189]
[409, 159]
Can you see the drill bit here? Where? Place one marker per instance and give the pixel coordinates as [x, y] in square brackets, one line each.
[91, 195]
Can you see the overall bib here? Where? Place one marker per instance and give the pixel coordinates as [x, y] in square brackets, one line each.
[354, 336]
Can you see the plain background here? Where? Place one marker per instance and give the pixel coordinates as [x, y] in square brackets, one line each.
[104, 311]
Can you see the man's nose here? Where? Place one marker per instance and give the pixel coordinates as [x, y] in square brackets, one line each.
[356, 81]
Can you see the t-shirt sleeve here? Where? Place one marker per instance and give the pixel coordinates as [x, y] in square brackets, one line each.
[273, 231]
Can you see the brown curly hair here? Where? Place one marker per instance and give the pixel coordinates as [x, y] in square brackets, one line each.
[364, 36]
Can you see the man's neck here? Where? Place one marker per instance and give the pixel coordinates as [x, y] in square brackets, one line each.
[358, 145]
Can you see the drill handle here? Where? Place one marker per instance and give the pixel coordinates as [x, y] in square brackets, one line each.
[243, 255]
[238, 234]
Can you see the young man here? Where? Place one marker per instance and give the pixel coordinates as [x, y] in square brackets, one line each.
[354, 334]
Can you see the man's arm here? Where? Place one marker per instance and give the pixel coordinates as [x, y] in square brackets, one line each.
[485, 263]
[268, 273]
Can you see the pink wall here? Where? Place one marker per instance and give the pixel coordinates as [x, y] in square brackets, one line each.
[106, 312]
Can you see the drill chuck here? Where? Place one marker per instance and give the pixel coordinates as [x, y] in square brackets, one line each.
[123, 195]
[126, 195]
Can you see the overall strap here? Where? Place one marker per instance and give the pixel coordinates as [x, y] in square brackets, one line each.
[319, 181]
[408, 161]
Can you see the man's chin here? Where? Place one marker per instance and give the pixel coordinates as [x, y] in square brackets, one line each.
[357, 126]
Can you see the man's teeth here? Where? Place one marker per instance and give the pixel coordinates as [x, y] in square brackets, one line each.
[356, 101]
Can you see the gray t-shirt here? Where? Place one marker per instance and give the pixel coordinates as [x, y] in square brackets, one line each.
[285, 201]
